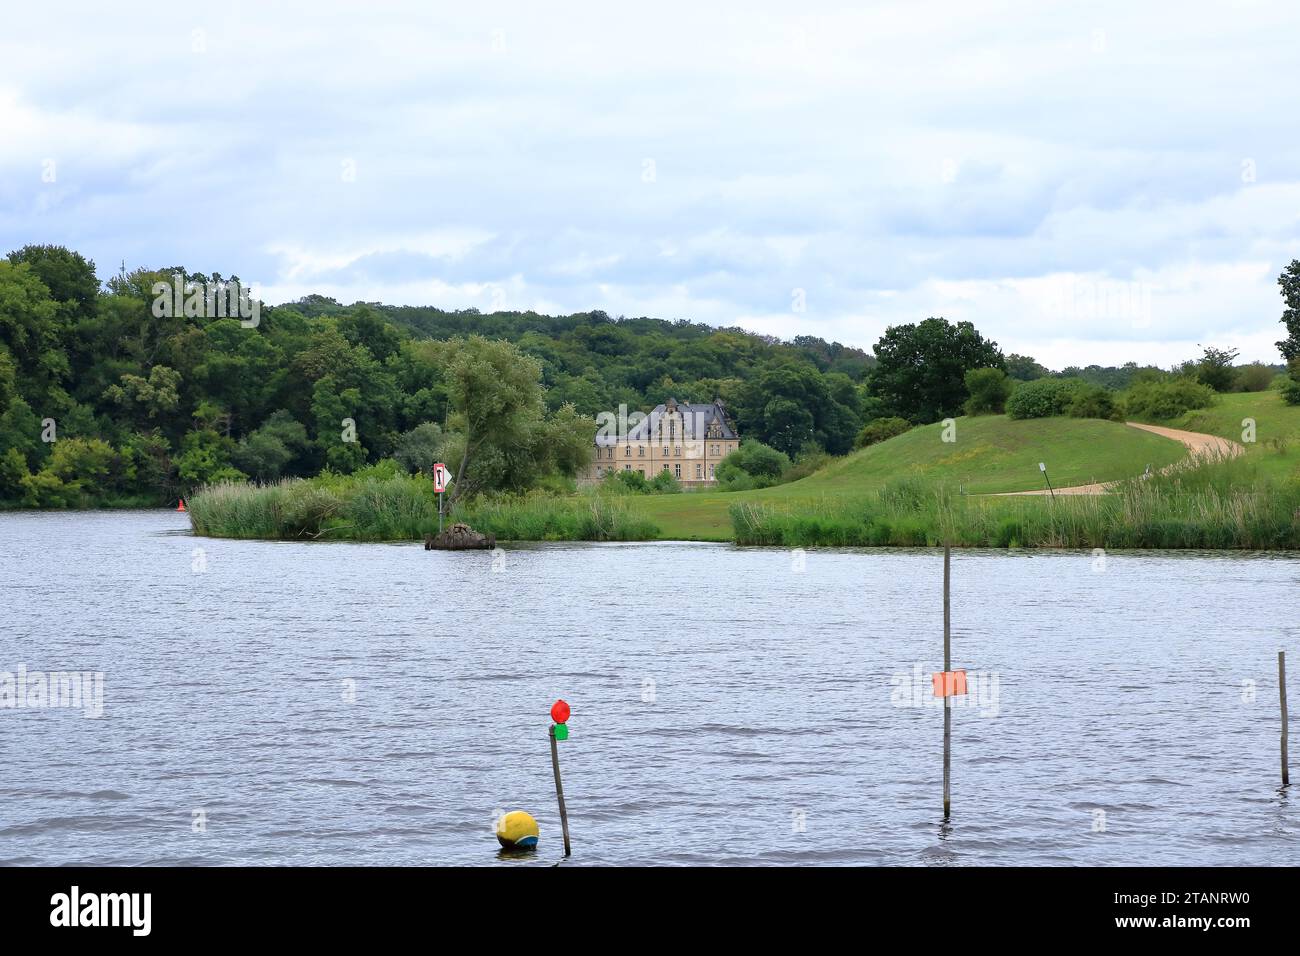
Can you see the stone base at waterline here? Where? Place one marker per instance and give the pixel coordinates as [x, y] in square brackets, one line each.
[459, 537]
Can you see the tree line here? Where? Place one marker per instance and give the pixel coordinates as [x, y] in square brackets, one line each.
[105, 398]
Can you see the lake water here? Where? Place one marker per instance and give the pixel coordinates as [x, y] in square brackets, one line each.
[364, 704]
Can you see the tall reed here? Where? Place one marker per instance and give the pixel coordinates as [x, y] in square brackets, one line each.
[400, 508]
[1208, 504]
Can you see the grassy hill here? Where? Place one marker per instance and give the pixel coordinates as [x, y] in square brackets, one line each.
[1276, 449]
[991, 454]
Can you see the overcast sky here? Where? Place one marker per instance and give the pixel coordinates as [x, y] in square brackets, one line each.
[1097, 183]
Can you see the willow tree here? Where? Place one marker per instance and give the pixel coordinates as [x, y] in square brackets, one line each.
[504, 440]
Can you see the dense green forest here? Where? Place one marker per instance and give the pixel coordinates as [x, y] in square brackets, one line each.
[102, 400]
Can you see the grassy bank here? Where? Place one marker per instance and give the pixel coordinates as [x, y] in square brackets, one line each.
[348, 508]
[903, 492]
[1276, 445]
[1229, 504]
[991, 454]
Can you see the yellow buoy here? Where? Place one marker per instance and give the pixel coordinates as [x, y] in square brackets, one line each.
[517, 830]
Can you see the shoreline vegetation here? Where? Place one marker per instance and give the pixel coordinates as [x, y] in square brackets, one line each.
[385, 507]
[314, 420]
[1212, 504]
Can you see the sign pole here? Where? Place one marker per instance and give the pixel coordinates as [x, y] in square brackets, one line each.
[560, 731]
[947, 701]
[1042, 466]
[559, 791]
[440, 480]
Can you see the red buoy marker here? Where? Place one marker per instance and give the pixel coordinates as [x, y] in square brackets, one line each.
[180, 505]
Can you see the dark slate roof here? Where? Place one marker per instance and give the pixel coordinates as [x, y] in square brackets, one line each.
[696, 418]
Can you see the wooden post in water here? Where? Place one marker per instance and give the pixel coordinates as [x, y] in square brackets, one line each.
[1281, 690]
[947, 701]
[559, 791]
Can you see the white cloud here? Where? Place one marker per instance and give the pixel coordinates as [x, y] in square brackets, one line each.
[998, 163]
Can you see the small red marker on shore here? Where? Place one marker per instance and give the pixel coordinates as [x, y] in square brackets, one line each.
[180, 505]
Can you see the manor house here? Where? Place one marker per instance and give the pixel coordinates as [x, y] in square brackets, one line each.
[687, 440]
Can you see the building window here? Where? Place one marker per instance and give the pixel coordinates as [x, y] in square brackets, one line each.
[665, 466]
[697, 470]
[640, 450]
[665, 453]
[710, 472]
[678, 475]
[627, 451]
[677, 452]
[627, 467]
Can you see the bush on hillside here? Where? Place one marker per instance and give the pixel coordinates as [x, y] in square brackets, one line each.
[752, 465]
[1255, 377]
[1214, 368]
[989, 389]
[1168, 399]
[882, 429]
[1291, 390]
[1093, 401]
[1042, 398]
[755, 458]
[811, 459]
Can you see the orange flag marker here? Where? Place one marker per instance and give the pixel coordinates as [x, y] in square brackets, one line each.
[949, 683]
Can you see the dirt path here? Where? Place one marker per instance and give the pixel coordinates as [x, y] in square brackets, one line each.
[1199, 445]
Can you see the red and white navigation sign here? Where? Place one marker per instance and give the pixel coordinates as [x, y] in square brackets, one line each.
[441, 477]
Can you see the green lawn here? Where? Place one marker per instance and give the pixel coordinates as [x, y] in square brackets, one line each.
[1276, 449]
[991, 454]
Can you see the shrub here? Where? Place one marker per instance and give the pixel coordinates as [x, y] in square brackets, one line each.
[45, 489]
[13, 469]
[1255, 377]
[81, 458]
[1042, 398]
[1291, 390]
[1168, 399]
[811, 459]
[633, 481]
[882, 429]
[1094, 401]
[989, 389]
[418, 448]
[752, 465]
[1214, 369]
[754, 458]
[665, 484]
